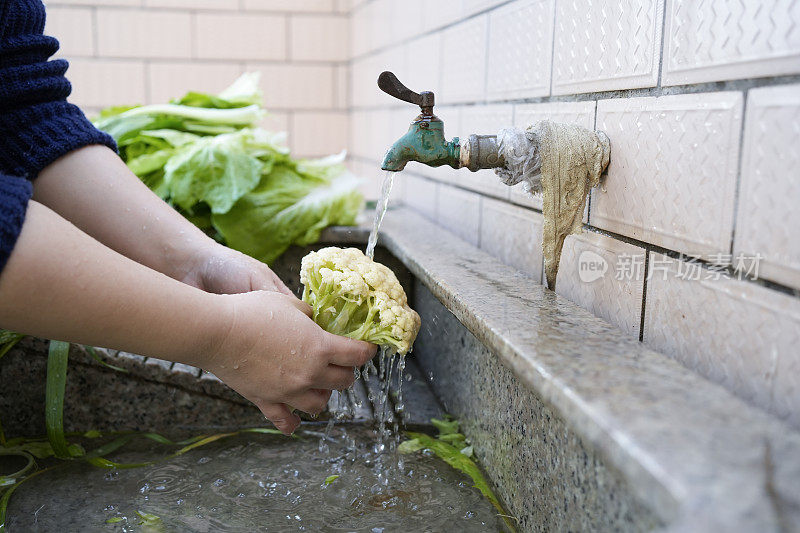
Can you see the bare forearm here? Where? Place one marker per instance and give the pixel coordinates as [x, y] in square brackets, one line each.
[92, 188]
[60, 283]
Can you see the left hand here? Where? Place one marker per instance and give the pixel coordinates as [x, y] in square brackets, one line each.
[222, 270]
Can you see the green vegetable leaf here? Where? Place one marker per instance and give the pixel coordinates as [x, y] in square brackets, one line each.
[287, 208]
[448, 426]
[461, 462]
[331, 479]
[54, 400]
[114, 520]
[214, 170]
[410, 446]
[244, 91]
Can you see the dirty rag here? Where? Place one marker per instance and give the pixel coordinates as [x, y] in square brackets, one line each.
[563, 162]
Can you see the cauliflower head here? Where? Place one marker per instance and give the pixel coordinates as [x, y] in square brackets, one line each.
[354, 296]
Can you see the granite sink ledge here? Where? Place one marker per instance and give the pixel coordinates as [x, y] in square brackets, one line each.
[700, 458]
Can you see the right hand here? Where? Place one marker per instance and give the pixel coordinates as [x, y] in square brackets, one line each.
[274, 355]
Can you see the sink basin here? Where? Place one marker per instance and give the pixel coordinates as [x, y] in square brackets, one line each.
[579, 426]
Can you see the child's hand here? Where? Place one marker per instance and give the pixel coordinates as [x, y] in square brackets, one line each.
[274, 355]
[222, 270]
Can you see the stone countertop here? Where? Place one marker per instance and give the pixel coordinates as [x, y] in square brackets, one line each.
[701, 458]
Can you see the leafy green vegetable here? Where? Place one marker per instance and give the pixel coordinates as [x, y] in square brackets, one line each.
[288, 207]
[215, 170]
[450, 446]
[331, 479]
[204, 154]
[150, 522]
[54, 401]
[448, 426]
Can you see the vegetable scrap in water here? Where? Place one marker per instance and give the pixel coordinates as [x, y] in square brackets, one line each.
[354, 296]
[452, 447]
[205, 156]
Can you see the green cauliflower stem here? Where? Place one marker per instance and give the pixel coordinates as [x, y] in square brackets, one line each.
[353, 296]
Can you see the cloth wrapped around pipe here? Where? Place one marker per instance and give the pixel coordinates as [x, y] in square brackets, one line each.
[563, 162]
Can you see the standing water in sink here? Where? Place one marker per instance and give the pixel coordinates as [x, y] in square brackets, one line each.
[255, 483]
[380, 211]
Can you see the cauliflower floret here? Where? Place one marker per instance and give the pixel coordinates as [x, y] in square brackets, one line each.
[354, 296]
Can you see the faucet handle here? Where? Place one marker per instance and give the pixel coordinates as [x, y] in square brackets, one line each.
[389, 84]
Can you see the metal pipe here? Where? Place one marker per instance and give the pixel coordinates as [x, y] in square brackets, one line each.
[480, 152]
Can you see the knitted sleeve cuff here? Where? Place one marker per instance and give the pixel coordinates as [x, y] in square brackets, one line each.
[14, 196]
[41, 133]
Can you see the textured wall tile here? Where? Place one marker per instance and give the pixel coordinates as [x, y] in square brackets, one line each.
[581, 113]
[464, 61]
[708, 40]
[94, 3]
[295, 86]
[241, 36]
[289, 5]
[604, 276]
[342, 99]
[407, 16]
[318, 38]
[520, 50]
[277, 122]
[227, 5]
[459, 211]
[769, 192]
[513, 235]
[130, 33]
[420, 195]
[423, 60]
[672, 176]
[440, 13]
[372, 133]
[319, 133]
[606, 44]
[364, 78]
[371, 183]
[473, 6]
[483, 120]
[101, 83]
[173, 79]
[733, 332]
[73, 29]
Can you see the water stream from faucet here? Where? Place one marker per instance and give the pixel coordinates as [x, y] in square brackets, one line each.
[380, 211]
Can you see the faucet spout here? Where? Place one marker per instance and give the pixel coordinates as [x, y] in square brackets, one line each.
[424, 142]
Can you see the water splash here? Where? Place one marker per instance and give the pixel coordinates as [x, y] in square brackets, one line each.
[380, 212]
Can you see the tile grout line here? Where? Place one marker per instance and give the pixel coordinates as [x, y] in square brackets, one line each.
[737, 186]
[553, 45]
[644, 293]
[663, 40]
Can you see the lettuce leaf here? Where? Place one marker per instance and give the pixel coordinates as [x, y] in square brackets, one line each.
[289, 207]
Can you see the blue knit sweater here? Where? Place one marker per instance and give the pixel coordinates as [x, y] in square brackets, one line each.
[37, 125]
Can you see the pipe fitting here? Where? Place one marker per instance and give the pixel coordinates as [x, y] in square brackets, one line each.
[480, 152]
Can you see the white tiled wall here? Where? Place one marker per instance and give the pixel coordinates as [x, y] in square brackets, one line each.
[149, 51]
[736, 333]
[695, 168]
[672, 179]
[770, 188]
[707, 40]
